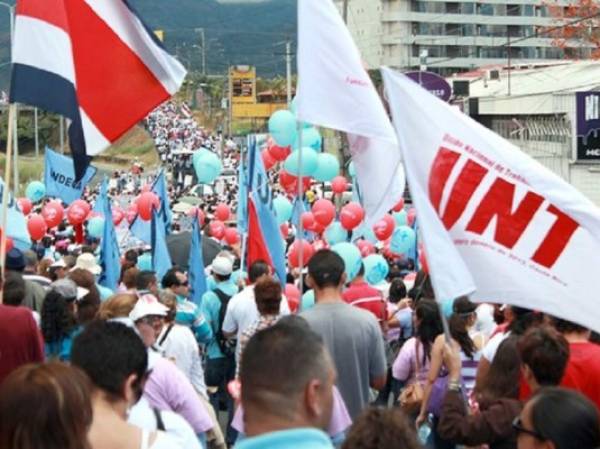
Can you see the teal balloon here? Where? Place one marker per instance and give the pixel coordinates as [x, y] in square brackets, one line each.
[293, 106]
[352, 169]
[307, 301]
[335, 233]
[400, 218]
[309, 162]
[144, 262]
[352, 259]
[376, 269]
[282, 127]
[207, 165]
[283, 209]
[35, 191]
[311, 137]
[369, 235]
[403, 240]
[95, 227]
[328, 167]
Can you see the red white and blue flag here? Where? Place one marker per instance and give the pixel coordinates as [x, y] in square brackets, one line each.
[94, 62]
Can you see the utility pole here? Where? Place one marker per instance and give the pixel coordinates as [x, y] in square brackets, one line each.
[509, 62]
[288, 65]
[203, 47]
[345, 13]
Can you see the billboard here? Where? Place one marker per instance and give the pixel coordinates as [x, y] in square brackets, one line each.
[432, 82]
[587, 127]
[242, 84]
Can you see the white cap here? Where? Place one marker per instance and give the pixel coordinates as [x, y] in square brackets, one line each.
[147, 305]
[59, 264]
[87, 261]
[222, 266]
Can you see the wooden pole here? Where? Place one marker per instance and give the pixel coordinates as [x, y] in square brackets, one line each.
[5, 192]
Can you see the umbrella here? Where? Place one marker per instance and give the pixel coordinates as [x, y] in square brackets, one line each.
[179, 249]
[182, 208]
[192, 200]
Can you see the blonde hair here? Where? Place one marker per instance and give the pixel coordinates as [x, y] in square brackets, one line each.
[117, 306]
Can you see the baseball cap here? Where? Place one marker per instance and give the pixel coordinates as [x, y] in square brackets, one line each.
[87, 261]
[222, 266]
[147, 305]
[68, 289]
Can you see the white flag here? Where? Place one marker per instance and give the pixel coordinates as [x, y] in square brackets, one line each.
[335, 91]
[493, 218]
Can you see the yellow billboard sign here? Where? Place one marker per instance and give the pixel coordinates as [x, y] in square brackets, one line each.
[242, 84]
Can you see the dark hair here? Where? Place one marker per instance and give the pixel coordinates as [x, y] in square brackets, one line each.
[257, 269]
[130, 277]
[566, 418]
[87, 307]
[221, 277]
[566, 327]
[381, 428]
[361, 270]
[422, 287]
[267, 294]
[45, 406]
[463, 311]
[523, 320]
[14, 288]
[429, 325]
[170, 278]
[109, 352]
[503, 377]
[546, 353]
[131, 255]
[397, 290]
[262, 371]
[144, 279]
[326, 268]
[57, 317]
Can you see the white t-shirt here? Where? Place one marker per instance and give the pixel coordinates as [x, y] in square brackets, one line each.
[489, 350]
[178, 433]
[181, 347]
[485, 320]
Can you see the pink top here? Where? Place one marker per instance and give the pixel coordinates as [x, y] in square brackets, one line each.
[340, 419]
[404, 366]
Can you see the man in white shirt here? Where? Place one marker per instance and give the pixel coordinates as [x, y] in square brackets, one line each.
[242, 310]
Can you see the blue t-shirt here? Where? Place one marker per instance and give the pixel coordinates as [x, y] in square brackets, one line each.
[302, 438]
[211, 305]
[189, 314]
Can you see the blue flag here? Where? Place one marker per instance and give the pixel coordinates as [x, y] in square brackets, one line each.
[59, 177]
[15, 221]
[196, 275]
[414, 253]
[242, 208]
[110, 260]
[102, 197]
[299, 208]
[161, 260]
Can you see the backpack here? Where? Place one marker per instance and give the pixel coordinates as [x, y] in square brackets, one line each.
[226, 345]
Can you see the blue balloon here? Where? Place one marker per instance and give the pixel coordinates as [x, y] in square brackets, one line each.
[400, 218]
[352, 259]
[307, 301]
[311, 137]
[207, 166]
[283, 209]
[95, 227]
[328, 167]
[309, 162]
[335, 233]
[35, 191]
[352, 169]
[282, 127]
[403, 239]
[144, 262]
[376, 268]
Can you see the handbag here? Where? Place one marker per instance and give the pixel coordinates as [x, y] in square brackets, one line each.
[411, 397]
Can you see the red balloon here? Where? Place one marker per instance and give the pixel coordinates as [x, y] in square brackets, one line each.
[324, 212]
[384, 228]
[318, 228]
[285, 230]
[308, 220]
[147, 202]
[53, 213]
[118, 215]
[366, 248]
[399, 205]
[351, 216]
[289, 183]
[279, 153]
[25, 205]
[231, 236]
[292, 294]
[222, 212]
[9, 242]
[411, 215]
[36, 225]
[339, 185]
[294, 254]
[286, 179]
[131, 212]
[217, 229]
[78, 212]
[268, 160]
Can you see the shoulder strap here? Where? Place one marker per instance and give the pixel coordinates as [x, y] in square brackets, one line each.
[166, 334]
[160, 424]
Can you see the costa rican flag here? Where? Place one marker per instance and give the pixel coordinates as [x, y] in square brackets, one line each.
[185, 110]
[94, 62]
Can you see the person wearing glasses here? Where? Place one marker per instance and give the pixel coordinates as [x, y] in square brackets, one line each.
[557, 418]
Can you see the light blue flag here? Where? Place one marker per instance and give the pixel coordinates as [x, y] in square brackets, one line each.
[299, 208]
[242, 208]
[59, 177]
[102, 197]
[414, 254]
[161, 260]
[110, 259]
[15, 221]
[160, 189]
[196, 275]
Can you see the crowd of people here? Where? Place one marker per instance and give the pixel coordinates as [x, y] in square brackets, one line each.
[348, 364]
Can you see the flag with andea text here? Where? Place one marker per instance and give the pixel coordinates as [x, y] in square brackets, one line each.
[59, 177]
[335, 91]
[95, 63]
[496, 224]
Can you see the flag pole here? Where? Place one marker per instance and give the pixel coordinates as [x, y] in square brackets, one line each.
[245, 231]
[5, 192]
[300, 226]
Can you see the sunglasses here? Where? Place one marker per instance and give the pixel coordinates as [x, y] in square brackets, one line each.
[151, 320]
[517, 425]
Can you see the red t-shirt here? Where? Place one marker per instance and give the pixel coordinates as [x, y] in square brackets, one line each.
[360, 294]
[21, 341]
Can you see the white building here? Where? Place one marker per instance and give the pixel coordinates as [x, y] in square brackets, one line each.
[455, 35]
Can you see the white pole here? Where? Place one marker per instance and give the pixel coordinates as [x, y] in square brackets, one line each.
[300, 229]
[36, 132]
[5, 192]
[288, 63]
[16, 153]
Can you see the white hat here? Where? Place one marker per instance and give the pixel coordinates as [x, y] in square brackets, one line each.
[59, 264]
[147, 305]
[87, 261]
[222, 266]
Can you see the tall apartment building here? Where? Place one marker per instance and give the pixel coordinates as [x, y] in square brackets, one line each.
[454, 35]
